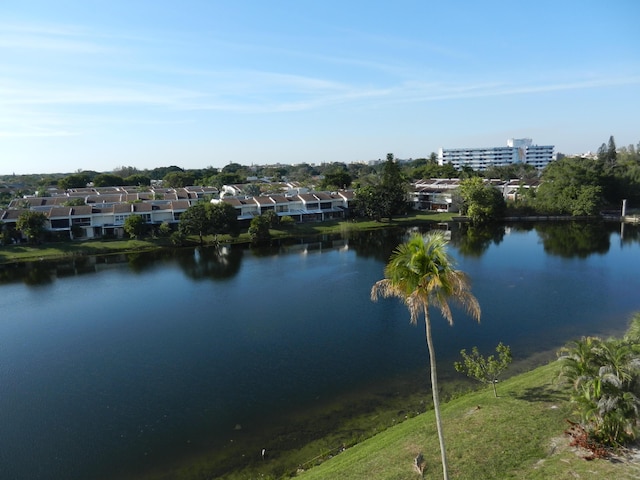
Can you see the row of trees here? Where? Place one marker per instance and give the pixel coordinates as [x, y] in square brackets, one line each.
[618, 168]
[569, 186]
[578, 186]
[572, 186]
[205, 218]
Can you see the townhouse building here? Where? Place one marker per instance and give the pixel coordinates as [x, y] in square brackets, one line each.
[304, 207]
[103, 211]
[98, 212]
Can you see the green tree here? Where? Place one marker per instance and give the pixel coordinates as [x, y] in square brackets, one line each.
[512, 171]
[32, 224]
[161, 172]
[259, 229]
[287, 221]
[336, 179]
[481, 201]
[612, 153]
[368, 202]
[253, 189]
[108, 180]
[137, 179]
[570, 186]
[78, 180]
[233, 168]
[74, 202]
[177, 179]
[196, 220]
[272, 217]
[123, 171]
[485, 370]
[385, 198]
[134, 225]
[421, 273]
[602, 153]
[393, 189]
[5, 236]
[224, 218]
[164, 230]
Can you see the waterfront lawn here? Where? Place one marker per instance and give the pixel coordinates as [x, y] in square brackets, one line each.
[59, 250]
[517, 435]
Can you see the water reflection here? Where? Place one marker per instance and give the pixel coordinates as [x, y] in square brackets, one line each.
[473, 241]
[43, 272]
[564, 239]
[217, 262]
[573, 239]
[567, 239]
[379, 244]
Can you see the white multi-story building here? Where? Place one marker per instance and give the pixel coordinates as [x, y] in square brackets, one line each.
[517, 151]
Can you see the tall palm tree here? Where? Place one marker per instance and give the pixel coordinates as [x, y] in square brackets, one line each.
[421, 273]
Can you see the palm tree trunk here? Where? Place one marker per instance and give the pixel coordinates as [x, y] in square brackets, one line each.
[436, 398]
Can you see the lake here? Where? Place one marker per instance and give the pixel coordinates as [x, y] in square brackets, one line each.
[118, 366]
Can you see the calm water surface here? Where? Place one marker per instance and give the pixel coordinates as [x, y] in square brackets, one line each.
[111, 366]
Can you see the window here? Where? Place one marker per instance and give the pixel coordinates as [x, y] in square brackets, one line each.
[81, 221]
[61, 223]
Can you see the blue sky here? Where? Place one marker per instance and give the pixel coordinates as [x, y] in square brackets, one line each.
[95, 85]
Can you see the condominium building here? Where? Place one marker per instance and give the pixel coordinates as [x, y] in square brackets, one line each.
[517, 151]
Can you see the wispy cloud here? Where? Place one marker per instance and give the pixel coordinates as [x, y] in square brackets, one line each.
[138, 95]
[155, 86]
[61, 38]
[419, 92]
[260, 93]
[32, 123]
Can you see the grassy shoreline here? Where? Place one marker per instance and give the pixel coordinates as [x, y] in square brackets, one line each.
[518, 435]
[70, 249]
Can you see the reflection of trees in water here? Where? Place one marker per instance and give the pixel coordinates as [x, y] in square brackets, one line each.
[566, 239]
[215, 262]
[380, 244]
[18, 272]
[473, 240]
[45, 272]
[39, 274]
[574, 239]
[142, 261]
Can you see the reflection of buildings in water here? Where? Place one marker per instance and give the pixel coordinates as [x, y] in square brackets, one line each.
[304, 248]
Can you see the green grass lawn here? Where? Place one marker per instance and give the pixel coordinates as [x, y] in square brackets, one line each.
[519, 435]
[61, 250]
[516, 436]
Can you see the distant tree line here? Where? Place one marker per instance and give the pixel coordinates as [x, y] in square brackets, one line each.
[568, 186]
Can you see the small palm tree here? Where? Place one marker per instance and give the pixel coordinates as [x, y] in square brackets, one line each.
[422, 274]
[605, 374]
